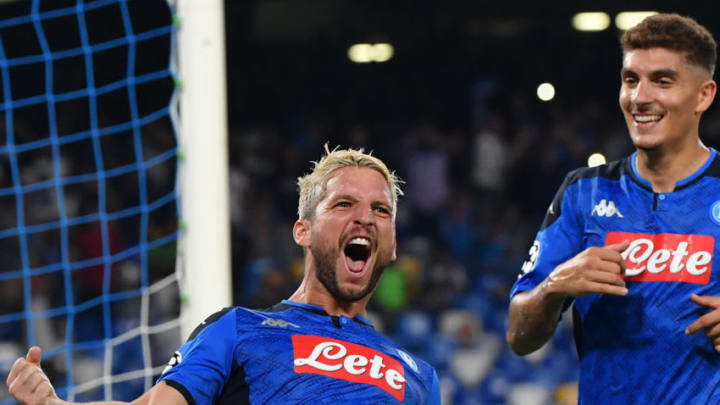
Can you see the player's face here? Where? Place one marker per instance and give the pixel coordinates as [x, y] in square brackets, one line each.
[353, 233]
[662, 96]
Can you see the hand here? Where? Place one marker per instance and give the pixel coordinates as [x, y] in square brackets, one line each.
[28, 383]
[594, 270]
[710, 322]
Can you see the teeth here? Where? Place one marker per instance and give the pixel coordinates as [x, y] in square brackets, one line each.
[360, 241]
[647, 118]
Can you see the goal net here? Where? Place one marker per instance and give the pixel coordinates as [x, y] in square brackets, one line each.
[88, 198]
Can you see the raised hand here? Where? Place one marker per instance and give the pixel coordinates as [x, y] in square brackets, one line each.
[28, 383]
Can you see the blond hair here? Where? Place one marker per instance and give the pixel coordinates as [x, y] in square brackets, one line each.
[312, 185]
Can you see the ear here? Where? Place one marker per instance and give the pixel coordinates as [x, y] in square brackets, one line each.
[706, 95]
[394, 248]
[302, 232]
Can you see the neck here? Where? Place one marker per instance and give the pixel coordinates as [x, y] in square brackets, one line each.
[664, 167]
[314, 293]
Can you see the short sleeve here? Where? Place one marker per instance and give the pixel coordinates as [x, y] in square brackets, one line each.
[559, 239]
[201, 367]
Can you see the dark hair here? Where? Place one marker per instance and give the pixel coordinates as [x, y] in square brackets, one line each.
[677, 33]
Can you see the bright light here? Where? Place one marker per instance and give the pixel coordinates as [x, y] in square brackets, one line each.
[366, 53]
[591, 21]
[383, 52]
[629, 19]
[360, 53]
[546, 92]
[596, 159]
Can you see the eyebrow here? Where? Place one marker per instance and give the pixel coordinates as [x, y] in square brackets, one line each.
[355, 199]
[654, 74]
[343, 197]
[664, 73]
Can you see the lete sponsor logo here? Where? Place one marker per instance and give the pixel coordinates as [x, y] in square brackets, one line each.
[349, 362]
[666, 256]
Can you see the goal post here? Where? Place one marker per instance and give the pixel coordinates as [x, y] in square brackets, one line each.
[204, 260]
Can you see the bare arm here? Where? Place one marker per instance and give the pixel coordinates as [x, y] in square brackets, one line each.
[30, 386]
[534, 314]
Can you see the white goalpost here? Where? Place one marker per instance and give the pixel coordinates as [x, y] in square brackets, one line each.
[204, 259]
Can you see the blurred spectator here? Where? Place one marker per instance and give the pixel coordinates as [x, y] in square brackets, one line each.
[490, 158]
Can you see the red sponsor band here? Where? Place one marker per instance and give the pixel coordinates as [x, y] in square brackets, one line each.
[349, 362]
[666, 256]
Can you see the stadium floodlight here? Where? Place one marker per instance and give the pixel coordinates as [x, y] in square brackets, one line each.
[591, 21]
[596, 159]
[361, 53]
[546, 91]
[628, 19]
[367, 53]
[383, 52]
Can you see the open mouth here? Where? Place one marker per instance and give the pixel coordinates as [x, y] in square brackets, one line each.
[357, 252]
[647, 118]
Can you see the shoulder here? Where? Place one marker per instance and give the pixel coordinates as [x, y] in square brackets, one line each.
[611, 171]
[578, 185]
[236, 318]
[227, 318]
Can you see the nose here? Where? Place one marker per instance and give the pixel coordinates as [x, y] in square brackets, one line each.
[364, 215]
[642, 93]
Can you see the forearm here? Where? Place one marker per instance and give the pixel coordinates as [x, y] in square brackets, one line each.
[61, 402]
[533, 316]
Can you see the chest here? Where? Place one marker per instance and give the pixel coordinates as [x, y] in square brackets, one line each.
[301, 362]
[674, 245]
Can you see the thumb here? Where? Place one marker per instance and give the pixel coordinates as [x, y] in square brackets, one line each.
[619, 247]
[34, 355]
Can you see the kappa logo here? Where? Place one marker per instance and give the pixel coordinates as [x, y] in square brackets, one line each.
[606, 209]
[278, 322]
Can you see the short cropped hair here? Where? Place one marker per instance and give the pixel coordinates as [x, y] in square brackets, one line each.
[312, 186]
[676, 33]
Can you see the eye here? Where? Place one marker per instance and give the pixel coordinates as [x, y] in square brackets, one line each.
[343, 204]
[382, 210]
[629, 80]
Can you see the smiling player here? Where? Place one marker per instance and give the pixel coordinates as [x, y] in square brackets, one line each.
[635, 244]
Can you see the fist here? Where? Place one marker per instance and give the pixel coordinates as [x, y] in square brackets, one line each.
[27, 382]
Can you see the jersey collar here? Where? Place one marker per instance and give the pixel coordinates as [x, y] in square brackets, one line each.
[319, 310]
[680, 184]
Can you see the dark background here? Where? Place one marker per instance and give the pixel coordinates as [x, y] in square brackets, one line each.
[288, 58]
